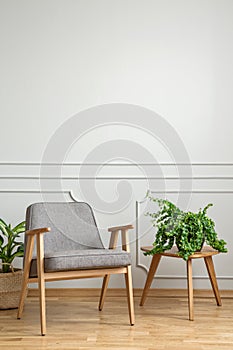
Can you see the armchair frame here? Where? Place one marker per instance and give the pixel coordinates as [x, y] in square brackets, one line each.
[43, 276]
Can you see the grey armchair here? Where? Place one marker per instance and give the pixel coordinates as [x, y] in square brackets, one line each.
[68, 246]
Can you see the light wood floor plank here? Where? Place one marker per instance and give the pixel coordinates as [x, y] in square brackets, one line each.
[74, 322]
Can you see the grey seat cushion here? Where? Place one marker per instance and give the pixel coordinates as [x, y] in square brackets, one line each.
[82, 259]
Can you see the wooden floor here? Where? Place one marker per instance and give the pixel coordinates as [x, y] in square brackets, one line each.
[74, 322]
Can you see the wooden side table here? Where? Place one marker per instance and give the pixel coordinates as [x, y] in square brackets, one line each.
[206, 253]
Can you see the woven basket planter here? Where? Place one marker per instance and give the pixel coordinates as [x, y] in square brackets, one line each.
[10, 288]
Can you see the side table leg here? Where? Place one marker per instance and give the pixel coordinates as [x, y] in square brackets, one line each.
[210, 268]
[190, 288]
[153, 267]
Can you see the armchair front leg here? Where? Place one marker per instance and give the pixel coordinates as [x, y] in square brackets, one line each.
[128, 275]
[27, 265]
[40, 272]
[41, 281]
[112, 245]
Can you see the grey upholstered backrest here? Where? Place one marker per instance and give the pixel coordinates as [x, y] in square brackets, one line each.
[72, 226]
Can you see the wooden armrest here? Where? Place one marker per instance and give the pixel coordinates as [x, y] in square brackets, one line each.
[114, 236]
[37, 231]
[123, 228]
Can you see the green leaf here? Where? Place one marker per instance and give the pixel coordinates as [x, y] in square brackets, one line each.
[19, 254]
[19, 228]
[1, 241]
[3, 222]
[3, 228]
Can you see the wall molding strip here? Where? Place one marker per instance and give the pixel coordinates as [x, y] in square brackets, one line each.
[116, 177]
[33, 191]
[116, 164]
[158, 192]
[183, 277]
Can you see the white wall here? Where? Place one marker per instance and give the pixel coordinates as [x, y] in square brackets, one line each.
[173, 57]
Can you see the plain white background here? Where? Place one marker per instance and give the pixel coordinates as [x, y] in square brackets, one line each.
[171, 56]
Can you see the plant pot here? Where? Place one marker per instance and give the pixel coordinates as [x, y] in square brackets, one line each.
[10, 288]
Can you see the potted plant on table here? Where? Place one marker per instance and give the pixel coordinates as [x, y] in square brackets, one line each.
[188, 230]
[10, 278]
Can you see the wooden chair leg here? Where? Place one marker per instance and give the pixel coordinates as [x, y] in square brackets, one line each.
[190, 288]
[41, 282]
[210, 268]
[22, 296]
[153, 268]
[27, 265]
[129, 288]
[103, 291]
